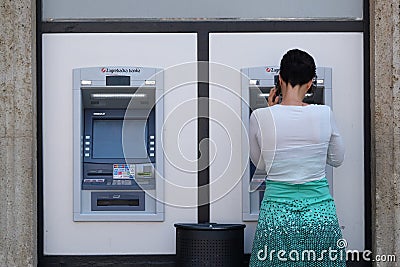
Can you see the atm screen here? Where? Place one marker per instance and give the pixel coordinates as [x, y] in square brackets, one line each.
[108, 141]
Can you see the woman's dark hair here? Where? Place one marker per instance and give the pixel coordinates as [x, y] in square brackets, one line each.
[297, 67]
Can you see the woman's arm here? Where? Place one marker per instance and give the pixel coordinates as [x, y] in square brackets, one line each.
[336, 148]
[255, 150]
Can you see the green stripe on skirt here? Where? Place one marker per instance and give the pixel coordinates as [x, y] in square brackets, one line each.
[298, 227]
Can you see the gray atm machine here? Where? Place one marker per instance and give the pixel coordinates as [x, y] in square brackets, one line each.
[117, 155]
[256, 84]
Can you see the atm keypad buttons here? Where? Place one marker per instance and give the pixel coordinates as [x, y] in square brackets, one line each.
[121, 182]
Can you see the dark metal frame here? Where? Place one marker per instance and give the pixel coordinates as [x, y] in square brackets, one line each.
[203, 29]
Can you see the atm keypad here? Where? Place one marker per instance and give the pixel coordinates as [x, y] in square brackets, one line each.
[121, 182]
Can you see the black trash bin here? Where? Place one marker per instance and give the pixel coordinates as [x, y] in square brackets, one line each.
[209, 244]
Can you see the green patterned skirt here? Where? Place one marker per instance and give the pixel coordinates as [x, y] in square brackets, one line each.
[298, 227]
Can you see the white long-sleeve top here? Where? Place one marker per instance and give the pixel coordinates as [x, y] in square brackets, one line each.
[294, 143]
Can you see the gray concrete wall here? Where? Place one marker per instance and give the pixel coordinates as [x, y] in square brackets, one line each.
[17, 134]
[385, 107]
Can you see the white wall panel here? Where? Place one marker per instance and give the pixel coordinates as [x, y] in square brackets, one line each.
[343, 52]
[62, 53]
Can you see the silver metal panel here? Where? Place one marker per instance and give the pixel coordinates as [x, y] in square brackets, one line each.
[149, 214]
[245, 159]
[159, 196]
[154, 207]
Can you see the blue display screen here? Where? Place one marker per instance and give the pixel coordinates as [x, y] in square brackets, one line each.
[118, 139]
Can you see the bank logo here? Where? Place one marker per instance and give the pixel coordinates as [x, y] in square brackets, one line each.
[120, 70]
[272, 70]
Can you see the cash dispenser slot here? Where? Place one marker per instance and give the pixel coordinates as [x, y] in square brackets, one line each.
[117, 201]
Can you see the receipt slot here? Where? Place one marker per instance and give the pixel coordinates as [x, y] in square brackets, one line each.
[256, 85]
[117, 158]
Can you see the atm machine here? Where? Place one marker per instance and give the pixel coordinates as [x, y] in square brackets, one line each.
[256, 85]
[117, 159]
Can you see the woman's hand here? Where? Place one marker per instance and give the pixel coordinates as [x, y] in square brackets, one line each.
[272, 98]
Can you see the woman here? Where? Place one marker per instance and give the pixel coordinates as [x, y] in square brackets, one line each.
[293, 142]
